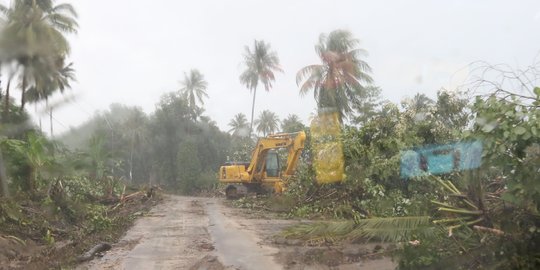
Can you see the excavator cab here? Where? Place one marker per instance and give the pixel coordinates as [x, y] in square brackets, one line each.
[272, 164]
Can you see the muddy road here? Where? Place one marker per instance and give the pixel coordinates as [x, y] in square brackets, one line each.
[205, 234]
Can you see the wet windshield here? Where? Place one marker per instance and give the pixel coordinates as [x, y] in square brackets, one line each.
[251, 134]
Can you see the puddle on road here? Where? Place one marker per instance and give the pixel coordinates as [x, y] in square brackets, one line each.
[236, 246]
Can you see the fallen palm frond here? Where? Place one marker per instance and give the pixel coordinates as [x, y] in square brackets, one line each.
[391, 229]
[459, 216]
[490, 230]
[16, 239]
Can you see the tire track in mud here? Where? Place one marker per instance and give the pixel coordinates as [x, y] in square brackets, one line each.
[173, 235]
[236, 245]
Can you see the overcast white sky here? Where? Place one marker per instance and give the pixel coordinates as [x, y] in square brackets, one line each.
[133, 51]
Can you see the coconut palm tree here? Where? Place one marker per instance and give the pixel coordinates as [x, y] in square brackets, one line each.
[260, 63]
[47, 81]
[292, 124]
[340, 78]
[194, 88]
[267, 123]
[239, 125]
[34, 34]
[421, 103]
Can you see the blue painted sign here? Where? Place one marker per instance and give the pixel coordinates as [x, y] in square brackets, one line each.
[441, 159]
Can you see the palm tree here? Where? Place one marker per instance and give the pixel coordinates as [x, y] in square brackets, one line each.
[339, 80]
[260, 63]
[292, 124]
[194, 88]
[47, 81]
[421, 103]
[239, 125]
[34, 35]
[267, 123]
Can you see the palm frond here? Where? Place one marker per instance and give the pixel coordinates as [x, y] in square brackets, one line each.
[65, 8]
[63, 23]
[391, 229]
[307, 71]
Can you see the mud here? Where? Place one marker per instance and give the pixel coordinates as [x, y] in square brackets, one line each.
[205, 234]
[173, 235]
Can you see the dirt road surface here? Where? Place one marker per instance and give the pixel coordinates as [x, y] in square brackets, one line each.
[204, 234]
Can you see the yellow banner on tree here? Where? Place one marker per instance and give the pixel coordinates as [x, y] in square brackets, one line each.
[328, 158]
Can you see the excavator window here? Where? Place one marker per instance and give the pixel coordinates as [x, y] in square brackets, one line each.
[272, 164]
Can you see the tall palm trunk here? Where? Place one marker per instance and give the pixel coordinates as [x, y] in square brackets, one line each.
[50, 119]
[23, 90]
[50, 115]
[6, 103]
[131, 160]
[36, 112]
[252, 111]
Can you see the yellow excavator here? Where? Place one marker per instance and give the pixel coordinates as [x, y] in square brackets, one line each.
[264, 171]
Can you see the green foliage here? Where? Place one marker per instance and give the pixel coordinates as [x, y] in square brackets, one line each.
[424, 254]
[373, 186]
[82, 189]
[189, 167]
[27, 159]
[485, 218]
[206, 180]
[98, 155]
[511, 136]
[168, 147]
[97, 216]
[241, 149]
[367, 104]
[503, 196]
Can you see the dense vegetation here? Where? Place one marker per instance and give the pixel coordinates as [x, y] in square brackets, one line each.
[482, 218]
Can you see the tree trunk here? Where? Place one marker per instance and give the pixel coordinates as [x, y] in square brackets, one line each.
[50, 116]
[252, 111]
[51, 121]
[131, 162]
[36, 111]
[3, 178]
[23, 91]
[6, 102]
